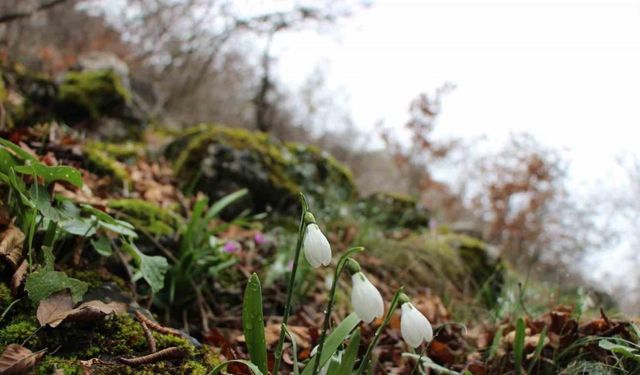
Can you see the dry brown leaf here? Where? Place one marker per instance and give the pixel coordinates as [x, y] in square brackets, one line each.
[11, 245]
[5, 215]
[58, 308]
[55, 308]
[18, 277]
[272, 335]
[18, 360]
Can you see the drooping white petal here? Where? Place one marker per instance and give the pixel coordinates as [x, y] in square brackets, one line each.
[316, 247]
[366, 300]
[414, 326]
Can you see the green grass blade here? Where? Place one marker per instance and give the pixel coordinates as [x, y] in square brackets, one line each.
[254, 369]
[253, 323]
[350, 355]
[221, 204]
[334, 340]
[518, 346]
[539, 346]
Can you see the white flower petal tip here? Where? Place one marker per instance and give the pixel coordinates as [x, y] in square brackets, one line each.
[366, 300]
[414, 326]
[316, 247]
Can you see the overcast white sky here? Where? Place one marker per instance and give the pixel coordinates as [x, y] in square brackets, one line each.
[567, 72]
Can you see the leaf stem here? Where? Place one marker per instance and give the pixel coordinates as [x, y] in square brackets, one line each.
[292, 278]
[327, 315]
[376, 338]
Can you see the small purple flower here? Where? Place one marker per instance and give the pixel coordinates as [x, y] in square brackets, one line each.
[231, 247]
[290, 265]
[259, 238]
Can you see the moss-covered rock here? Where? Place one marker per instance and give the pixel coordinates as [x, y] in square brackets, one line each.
[103, 163]
[393, 211]
[446, 263]
[28, 98]
[147, 216]
[91, 95]
[218, 160]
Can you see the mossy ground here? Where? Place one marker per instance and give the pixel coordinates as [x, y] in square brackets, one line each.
[109, 339]
[147, 216]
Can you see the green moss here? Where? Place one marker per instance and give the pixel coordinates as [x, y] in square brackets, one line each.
[447, 264]
[96, 279]
[91, 94]
[147, 216]
[120, 336]
[3, 90]
[391, 210]
[5, 297]
[107, 164]
[194, 368]
[17, 332]
[218, 160]
[50, 365]
[119, 150]
[167, 341]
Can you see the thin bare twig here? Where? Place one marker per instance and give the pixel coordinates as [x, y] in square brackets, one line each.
[173, 352]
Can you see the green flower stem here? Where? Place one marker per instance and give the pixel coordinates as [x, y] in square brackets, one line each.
[327, 315]
[292, 278]
[419, 360]
[385, 322]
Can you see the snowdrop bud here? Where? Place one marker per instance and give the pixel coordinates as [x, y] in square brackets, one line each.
[414, 326]
[365, 298]
[316, 247]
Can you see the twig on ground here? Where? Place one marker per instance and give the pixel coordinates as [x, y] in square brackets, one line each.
[173, 352]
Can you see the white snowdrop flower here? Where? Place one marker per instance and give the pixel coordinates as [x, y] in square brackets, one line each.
[366, 300]
[414, 326]
[316, 246]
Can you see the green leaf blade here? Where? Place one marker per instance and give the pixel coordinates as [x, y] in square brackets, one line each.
[333, 341]
[253, 323]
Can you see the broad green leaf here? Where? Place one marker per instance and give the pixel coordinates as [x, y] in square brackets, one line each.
[518, 346]
[43, 283]
[120, 227]
[626, 351]
[79, 226]
[253, 323]
[18, 151]
[19, 186]
[350, 355]
[40, 197]
[7, 161]
[51, 174]
[333, 341]
[101, 215]
[254, 369]
[151, 268]
[102, 246]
